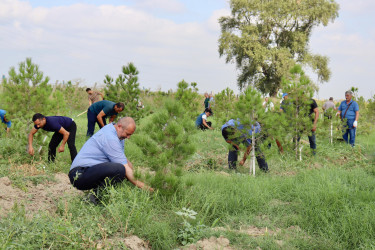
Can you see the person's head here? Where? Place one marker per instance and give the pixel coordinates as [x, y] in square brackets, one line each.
[208, 112]
[89, 91]
[206, 94]
[266, 99]
[348, 95]
[119, 107]
[285, 96]
[331, 99]
[39, 120]
[211, 95]
[125, 127]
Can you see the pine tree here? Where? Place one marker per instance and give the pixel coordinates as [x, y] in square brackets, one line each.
[224, 104]
[296, 108]
[27, 92]
[165, 141]
[188, 97]
[126, 90]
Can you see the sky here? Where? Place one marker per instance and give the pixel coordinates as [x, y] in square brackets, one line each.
[168, 41]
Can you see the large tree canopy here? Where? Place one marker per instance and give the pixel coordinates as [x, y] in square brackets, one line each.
[266, 38]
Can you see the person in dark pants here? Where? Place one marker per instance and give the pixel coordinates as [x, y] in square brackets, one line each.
[102, 160]
[65, 130]
[235, 134]
[99, 111]
[201, 121]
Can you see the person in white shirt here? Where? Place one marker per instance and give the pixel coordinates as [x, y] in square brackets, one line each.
[268, 105]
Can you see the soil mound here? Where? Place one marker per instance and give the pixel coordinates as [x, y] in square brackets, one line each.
[131, 242]
[42, 197]
[221, 243]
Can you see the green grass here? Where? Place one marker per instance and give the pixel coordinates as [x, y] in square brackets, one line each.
[323, 202]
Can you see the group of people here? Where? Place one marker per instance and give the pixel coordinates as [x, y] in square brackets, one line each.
[235, 133]
[102, 157]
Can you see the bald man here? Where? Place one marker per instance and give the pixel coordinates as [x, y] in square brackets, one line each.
[102, 158]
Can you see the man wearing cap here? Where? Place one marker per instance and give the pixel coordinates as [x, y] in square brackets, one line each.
[102, 161]
[99, 111]
[349, 110]
[235, 134]
[328, 105]
[201, 121]
[5, 120]
[65, 130]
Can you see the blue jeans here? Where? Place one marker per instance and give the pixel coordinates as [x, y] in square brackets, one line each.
[91, 120]
[349, 130]
[86, 178]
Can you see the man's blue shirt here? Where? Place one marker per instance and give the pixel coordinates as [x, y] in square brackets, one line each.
[350, 114]
[104, 146]
[106, 106]
[2, 116]
[237, 124]
[199, 120]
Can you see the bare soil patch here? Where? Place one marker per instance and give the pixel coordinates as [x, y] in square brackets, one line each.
[221, 243]
[41, 197]
[131, 242]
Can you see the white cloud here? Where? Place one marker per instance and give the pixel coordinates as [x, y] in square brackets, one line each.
[88, 41]
[173, 6]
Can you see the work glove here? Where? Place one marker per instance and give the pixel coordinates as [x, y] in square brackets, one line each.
[355, 124]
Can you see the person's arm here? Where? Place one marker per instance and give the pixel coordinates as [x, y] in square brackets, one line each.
[90, 102]
[101, 94]
[356, 115]
[130, 176]
[31, 137]
[245, 155]
[205, 124]
[65, 139]
[100, 118]
[112, 118]
[316, 111]
[232, 143]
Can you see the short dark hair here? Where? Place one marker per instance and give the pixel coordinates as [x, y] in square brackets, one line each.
[38, 116]
[209, 111]
[331, 98]
[120, 105]
[88, 89]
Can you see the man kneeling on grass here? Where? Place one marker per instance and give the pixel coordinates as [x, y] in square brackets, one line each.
[235, 134]
[102, 160]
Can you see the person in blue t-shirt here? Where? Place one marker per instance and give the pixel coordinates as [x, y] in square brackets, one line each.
[235, 134]
[349, 110]
[5, 120]
[201, 121]
[102, 160]
[65, 130]
[99, 111]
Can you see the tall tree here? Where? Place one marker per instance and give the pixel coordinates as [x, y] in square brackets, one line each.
[126, 90]
[266, 38]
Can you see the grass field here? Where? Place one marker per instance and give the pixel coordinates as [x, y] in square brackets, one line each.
[322, 202]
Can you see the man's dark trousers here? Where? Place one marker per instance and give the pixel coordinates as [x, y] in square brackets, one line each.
[91, 120]
[57, 138]
[86, 178]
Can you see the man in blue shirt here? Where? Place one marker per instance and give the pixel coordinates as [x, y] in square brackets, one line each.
[201, 121]
[65, 130]
[102, 158]
[235, 134]
[98, 111]
[5, 120]
[349, 110]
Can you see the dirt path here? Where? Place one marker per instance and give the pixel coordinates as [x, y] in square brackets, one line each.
[42, 197]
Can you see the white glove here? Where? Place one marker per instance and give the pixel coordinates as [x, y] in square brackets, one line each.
[355, 124]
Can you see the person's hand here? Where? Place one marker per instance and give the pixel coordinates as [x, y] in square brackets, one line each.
[211, 128]
[314, 128]
[355, 124]
[338, 114]
[31, 150]
[242, 162]
[61, 148]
